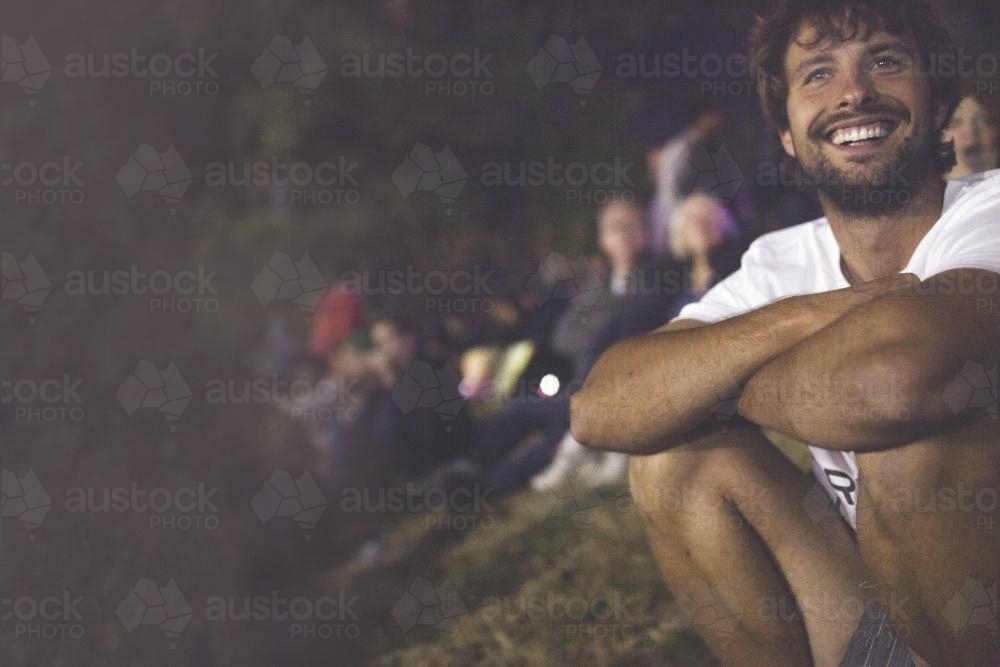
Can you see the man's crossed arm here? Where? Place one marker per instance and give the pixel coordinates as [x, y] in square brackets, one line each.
[854, 369]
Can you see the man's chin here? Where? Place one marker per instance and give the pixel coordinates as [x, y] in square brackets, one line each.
[875, 186]
[864, 199]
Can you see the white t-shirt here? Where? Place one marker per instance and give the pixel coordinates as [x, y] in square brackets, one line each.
[805, 259]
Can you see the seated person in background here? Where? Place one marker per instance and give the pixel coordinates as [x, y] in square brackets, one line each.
[857, 333]
[635, 300]
[670, 167]
[975, 129]
[706, 239]
[408, 439]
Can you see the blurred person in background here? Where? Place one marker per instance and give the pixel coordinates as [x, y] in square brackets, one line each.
[338, 313]
[635, 300]
[408, 440]
[975, 129]
[670, 167]
[707, 241]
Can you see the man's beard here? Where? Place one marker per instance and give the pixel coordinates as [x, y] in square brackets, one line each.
[880, 186]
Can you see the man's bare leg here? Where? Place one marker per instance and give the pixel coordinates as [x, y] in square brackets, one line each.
[726, 522]
[928, 527]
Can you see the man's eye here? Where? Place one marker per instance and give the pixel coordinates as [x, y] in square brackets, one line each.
[817, 75]
[888, 62]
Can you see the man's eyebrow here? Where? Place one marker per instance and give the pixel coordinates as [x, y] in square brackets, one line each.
[811, 61]
[890, 45]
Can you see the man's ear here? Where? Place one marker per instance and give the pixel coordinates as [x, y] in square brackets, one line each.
[786, 142]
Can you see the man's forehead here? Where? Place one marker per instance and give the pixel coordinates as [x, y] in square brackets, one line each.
[809, 40]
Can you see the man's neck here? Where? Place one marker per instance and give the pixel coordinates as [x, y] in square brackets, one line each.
[874, 247]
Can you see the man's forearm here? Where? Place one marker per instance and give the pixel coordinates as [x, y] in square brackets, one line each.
[877, 377]
[646, 393]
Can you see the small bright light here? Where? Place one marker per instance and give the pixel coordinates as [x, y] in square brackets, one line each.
[549, 386]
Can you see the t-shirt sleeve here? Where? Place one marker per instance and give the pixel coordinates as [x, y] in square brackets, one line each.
[734, 295]
[972, 240]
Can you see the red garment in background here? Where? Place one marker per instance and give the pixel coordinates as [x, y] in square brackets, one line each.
[337, 314]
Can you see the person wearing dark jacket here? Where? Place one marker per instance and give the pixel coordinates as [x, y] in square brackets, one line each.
[637, 295]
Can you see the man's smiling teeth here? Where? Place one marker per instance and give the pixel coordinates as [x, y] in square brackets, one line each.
[846, 135]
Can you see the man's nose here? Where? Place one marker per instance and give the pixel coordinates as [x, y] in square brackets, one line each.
[857, 90]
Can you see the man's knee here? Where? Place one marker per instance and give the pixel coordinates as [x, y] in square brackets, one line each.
[652, 477]
[927, 480]
[926, 529]
[675, 482]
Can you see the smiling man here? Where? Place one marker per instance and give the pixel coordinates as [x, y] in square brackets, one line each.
[851, 333]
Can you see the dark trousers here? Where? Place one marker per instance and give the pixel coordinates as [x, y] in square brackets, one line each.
[498, 439]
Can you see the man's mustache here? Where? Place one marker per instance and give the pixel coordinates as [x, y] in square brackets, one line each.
[894, 112]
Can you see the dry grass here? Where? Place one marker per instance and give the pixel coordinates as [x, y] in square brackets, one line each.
[550, 590]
